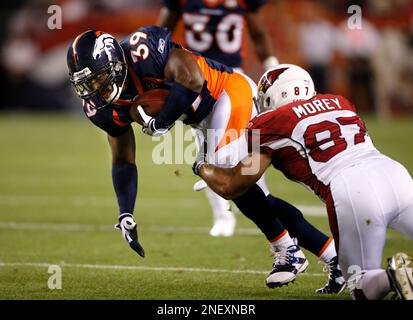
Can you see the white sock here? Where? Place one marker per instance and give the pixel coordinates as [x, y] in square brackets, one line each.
[283, 241]
[375, 284]
[328, 252]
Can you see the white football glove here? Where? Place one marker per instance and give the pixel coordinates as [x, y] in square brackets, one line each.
[200, 185]
[148, 124]
[130, 232]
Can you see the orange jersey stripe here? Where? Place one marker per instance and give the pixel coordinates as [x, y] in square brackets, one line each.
[240, 94]
[279, 236]
[117, 120]
[325, 247]
[216, 80]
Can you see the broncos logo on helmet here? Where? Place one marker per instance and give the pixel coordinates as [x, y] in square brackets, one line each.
[104, 43]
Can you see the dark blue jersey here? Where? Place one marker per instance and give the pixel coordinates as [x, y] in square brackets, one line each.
[215, 28]
[147, 51]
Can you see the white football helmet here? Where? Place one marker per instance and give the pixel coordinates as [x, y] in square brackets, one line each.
[284, 84]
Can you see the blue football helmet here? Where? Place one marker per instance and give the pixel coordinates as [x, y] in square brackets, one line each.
[97, 68]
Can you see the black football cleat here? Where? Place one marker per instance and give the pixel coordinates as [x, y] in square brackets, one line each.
[336, 283]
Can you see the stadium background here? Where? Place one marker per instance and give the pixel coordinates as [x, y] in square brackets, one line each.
[56, 200]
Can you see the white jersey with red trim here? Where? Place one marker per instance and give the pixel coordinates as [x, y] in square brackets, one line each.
[312, 141]
[323, 144]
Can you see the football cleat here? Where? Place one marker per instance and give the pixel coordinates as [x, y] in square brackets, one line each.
[399, 271]
[224, 226]
[336, 282]
[288, 263]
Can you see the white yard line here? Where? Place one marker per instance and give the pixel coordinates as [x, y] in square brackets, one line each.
[71, 227]
[139, 268]
[109, 201]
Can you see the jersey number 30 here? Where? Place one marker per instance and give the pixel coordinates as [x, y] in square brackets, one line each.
[228, 33]
[326, 139]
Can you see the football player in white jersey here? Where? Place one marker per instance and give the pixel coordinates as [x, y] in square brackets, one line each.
[319, 140]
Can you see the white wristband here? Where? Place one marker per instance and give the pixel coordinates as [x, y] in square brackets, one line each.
[270, 62]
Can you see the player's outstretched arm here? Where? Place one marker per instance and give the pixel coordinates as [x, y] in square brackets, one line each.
[168, 18]
[262, 41]
[125, 183]
[230, 183]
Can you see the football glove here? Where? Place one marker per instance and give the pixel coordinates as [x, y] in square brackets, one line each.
[200, 158]
[130, 232]
[148, 124]
[200, 185]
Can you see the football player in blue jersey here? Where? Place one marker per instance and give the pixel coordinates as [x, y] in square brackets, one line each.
[109, 76]
[217, 30]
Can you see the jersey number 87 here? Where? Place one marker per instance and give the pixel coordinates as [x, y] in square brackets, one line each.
[326, 139]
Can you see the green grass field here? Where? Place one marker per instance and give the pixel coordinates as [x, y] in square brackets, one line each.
[57, 206]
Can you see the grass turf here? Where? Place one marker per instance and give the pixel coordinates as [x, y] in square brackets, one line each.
[57, 206]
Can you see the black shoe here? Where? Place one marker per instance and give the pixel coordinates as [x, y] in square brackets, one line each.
[336, 282]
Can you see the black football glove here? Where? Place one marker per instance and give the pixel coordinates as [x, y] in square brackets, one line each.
[130, 232]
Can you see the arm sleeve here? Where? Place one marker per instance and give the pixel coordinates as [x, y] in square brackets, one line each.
[180, 100]
[125, 183]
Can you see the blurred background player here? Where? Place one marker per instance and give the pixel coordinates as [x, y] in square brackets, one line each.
[319, 140]
[32, 55]
[217, 30]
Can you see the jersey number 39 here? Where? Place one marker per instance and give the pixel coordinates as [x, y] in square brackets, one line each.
[141, 51]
